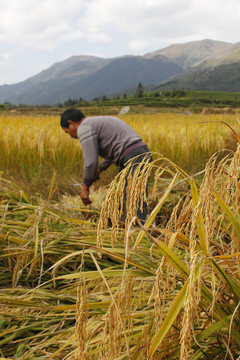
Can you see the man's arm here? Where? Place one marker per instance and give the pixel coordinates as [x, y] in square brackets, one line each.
[104, 164]
[89, 144]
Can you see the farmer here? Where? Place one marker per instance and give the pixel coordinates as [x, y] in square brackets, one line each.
[108, 137]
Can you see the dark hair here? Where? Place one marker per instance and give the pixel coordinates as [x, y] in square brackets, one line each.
[71, 114]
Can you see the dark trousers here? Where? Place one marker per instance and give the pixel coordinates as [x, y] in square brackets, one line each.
[138, 155]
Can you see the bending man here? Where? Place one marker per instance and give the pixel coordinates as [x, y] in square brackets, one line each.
[108, 137]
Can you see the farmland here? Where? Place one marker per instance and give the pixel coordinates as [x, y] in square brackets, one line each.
[34, 148]
[76, 285]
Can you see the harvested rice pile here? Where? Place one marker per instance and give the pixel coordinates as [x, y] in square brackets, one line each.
[74, 288]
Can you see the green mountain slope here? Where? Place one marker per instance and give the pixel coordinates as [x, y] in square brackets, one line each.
[195, 53]
[221, 78]
[203, 65]
[112, 76]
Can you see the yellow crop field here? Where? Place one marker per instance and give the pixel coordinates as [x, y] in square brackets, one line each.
[77, 285]
[33, 148]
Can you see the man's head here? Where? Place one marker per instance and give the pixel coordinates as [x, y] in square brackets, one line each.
[70, 120]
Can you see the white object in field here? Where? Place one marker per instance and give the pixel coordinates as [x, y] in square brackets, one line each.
[124, 110]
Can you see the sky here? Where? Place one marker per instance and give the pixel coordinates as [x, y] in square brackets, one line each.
[35, 34]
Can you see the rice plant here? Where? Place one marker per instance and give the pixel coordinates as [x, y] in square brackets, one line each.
[77, 285]
[170, 293]
[34, 148]
[188, 308]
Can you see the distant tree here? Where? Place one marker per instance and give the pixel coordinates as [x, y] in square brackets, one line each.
[178, 93]
[125, 96]
[139, 90]
[82, 102]
[70, 102]
[7, 103]
[167, 93]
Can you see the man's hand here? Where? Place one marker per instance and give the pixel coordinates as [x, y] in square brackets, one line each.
[85, 195]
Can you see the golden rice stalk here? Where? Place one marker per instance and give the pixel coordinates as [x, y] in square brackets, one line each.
[113, 327]
[114, 197]
[81, 319]
[190, 308]
[136, 190]
[115, 205]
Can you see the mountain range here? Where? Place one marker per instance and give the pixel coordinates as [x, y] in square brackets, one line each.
[198, 65]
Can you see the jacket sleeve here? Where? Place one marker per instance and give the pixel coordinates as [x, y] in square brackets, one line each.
[104, 164]
[89, 143]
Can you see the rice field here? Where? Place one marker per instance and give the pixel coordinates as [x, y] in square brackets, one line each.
[76, 285]
[34, 148]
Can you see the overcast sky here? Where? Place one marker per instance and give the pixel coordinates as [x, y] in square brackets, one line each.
[35, 34]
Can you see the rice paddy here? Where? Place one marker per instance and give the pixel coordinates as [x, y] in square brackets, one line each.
[77, 285]
[34, 148]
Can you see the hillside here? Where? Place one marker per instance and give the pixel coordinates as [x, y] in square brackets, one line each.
[203, 65]
[204, 52]
[89, 79]
[51, 80]
[220, 78]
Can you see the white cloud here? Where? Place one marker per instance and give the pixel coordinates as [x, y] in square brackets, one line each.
[46, 23]
[94, 34]
[107, 28]
[138, 45]
[28, 22]
[166, 21]
[5, 57]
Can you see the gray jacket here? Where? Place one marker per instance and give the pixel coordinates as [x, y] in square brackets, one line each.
[104, 136]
